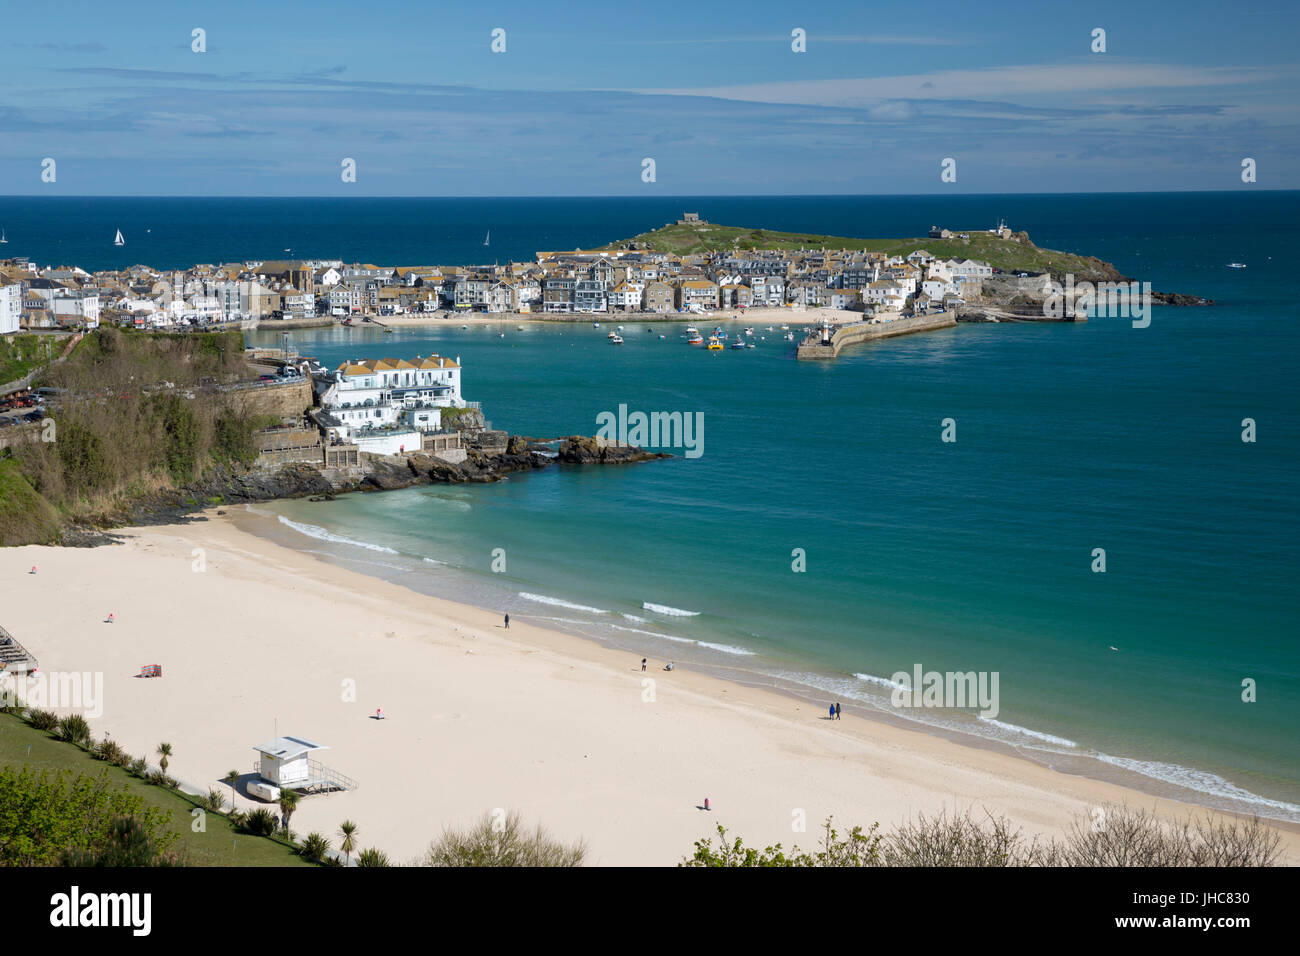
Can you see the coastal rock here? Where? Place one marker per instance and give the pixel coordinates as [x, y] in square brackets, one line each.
[582, 450]
[386, 474]
[1178, 298]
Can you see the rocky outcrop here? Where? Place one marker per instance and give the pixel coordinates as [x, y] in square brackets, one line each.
[581, 450]
[1178, 298]
[301, 480]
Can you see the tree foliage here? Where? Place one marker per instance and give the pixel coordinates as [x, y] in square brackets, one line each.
[44, 817]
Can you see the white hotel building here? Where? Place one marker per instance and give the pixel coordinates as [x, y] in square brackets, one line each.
[11, 308]
[385, 405]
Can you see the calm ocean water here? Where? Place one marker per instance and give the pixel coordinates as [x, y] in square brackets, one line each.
[967, 556]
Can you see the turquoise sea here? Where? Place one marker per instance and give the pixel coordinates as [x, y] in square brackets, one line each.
[973, 555]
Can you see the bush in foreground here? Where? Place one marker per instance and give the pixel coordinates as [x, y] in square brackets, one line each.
[1118, 836]
[497, 842]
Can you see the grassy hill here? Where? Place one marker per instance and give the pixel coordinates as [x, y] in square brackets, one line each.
[221, 845]
[133, 419]
[1010, 255]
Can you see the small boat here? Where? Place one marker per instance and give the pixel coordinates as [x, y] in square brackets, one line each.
[3, 240]
[118, 240]
[620, 328]
[487, 240]
[714, 345]
[501, 335]
[749, 330]
[519, 328]
[661, 338]
[1236, 265]
[464, 326]
[738, 344]
[789, 336]
[751, 345]
[595, 325]
[388, 331]
[692, 330]
[695, 339]
[615, 339]
[612, 335]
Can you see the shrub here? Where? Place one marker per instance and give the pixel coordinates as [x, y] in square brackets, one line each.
[1121, 836]
[1124, 836]
[109, 750]
[373, 857]
[43, 719]
[261, 822]
[139, 767]
[74, 729]
[315, 847]
[503, 843]
[47, 817]
[215, 800]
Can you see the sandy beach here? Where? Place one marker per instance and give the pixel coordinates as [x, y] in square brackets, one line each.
[254, 638]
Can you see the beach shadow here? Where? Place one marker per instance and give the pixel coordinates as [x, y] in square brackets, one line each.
[700, 806]
[241, 786]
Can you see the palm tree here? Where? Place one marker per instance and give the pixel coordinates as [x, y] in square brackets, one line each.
[164, 751]
[348, 830]
[232, 778]
[288, 804]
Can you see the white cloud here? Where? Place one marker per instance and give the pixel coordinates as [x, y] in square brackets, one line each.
[992, 82]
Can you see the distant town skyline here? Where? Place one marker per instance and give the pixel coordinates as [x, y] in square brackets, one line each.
[753, 99]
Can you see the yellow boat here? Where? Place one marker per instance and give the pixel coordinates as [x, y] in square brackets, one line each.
[714, 344]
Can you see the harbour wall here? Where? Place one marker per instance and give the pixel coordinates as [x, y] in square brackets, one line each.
[815, 348]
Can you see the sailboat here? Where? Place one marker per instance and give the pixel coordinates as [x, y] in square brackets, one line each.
[487, 240]
[119, 241]
[3, 240]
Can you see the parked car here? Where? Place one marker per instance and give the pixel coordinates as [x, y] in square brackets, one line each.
[266, 378]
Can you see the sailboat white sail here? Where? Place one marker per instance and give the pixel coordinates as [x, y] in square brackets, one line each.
[119, 241]
[3, 238]
[487, 240]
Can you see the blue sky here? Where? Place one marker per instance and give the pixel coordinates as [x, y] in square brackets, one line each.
[585, 91]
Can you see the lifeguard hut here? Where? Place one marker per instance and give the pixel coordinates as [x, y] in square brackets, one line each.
[286, 762]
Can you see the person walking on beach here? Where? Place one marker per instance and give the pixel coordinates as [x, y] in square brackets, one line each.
[507, 622]
[837, 710]
[832, 716]
[643, 664]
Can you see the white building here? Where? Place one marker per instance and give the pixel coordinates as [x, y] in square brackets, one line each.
[81, 308]
[11, 308]
[286, 761]
[383, 405]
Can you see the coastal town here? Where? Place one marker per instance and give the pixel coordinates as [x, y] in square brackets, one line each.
[555, 285]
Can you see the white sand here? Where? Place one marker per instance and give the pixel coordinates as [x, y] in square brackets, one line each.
[477, 718]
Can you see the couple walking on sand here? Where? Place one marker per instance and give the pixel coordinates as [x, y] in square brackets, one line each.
[835, 711]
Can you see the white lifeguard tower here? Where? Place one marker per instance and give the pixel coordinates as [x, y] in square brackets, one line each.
[286, 762]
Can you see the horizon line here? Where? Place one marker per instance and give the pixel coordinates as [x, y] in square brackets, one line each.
[969, 195]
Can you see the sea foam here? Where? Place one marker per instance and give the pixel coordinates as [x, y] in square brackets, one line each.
[320, 534]
[670, 611]
[556, 602]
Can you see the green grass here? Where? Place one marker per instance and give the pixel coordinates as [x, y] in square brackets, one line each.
[19, 354]
[1004, 254]
[221, 845]
[25, 517]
